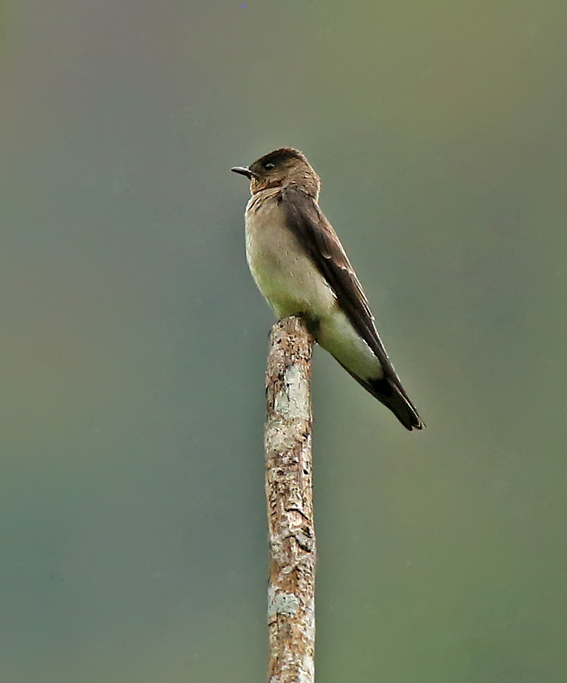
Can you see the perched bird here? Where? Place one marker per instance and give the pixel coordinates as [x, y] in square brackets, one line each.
[301, 268]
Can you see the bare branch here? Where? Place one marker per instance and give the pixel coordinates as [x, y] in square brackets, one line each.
[291, 593]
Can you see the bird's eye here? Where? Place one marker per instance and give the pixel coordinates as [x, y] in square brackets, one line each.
[269, 166]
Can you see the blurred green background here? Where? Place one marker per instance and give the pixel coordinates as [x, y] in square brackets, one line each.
[133, 341]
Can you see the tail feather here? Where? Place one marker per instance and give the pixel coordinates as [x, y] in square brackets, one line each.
[394, 398]
[392, 395]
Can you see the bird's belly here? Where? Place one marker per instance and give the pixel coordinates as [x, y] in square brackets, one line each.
[337, 336]
[284, 274]
[292, 285]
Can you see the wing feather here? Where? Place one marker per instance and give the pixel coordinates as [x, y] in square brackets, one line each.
[316, 235]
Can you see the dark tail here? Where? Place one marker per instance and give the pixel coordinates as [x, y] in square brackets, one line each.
[395, 398]
[392, 395]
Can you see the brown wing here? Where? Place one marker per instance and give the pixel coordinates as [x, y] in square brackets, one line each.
[317, 236]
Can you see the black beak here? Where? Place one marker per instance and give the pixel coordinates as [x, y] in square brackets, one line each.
[243, 171]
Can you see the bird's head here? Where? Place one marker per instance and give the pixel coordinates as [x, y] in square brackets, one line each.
[281, 168]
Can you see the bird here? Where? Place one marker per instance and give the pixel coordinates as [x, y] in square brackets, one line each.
[301, 269]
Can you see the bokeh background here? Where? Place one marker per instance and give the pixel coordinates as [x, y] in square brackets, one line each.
[133, 341]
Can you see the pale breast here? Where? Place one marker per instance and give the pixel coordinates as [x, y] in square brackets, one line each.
[284, 273]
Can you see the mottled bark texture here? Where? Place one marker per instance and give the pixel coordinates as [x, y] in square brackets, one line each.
[291, 592]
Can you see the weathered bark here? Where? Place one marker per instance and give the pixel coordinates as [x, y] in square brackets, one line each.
[291, 592]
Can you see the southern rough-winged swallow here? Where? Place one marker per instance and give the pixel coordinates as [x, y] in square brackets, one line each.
[301, 268]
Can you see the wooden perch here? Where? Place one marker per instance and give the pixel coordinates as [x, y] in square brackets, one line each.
[291, 591]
